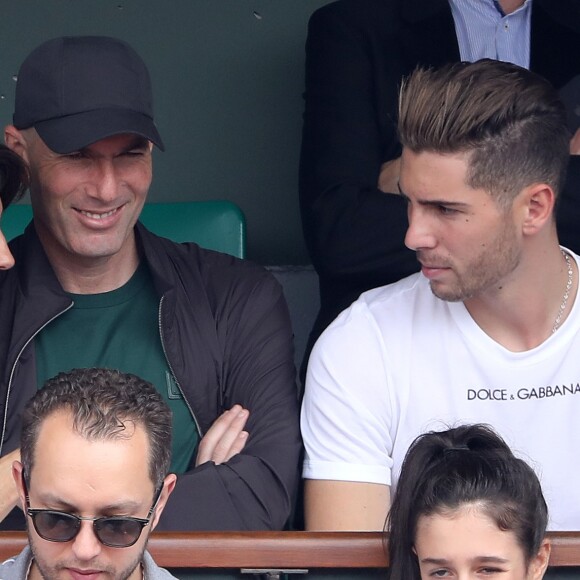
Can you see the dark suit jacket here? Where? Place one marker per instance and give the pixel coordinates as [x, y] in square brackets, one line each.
[356, 54]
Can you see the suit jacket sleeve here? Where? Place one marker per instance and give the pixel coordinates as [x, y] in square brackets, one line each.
[352, 228]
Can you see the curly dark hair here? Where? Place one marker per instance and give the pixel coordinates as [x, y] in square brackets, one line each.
[101, 402]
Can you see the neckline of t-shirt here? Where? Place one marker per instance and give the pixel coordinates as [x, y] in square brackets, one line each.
[125, 293]
[474, 333]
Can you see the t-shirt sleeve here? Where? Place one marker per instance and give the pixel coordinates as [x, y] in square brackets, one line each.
[347, 408]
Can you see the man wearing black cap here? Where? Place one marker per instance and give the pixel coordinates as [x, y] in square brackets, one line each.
[92, 287]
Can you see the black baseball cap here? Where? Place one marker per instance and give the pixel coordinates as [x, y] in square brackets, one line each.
[76, 90]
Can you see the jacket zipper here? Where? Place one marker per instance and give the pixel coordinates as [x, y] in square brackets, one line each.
[14, 368]
[173, 373]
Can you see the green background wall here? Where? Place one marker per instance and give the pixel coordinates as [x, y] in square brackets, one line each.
[228, 81]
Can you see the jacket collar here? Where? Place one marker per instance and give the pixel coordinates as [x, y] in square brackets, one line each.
[38, 279]
[36, 275]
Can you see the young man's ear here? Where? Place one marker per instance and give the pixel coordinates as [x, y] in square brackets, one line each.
[17, 475]
[168, 486]
[538, 204]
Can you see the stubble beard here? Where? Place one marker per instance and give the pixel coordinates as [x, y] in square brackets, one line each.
[55, 571]
[486, 270]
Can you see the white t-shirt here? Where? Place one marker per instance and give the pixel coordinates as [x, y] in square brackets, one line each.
[399, 362]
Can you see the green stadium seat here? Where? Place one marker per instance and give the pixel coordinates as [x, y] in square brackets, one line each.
[216, 224]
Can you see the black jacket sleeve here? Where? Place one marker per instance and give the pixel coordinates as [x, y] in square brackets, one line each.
[247, 349]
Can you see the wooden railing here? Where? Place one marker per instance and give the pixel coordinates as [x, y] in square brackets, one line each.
[282, 549]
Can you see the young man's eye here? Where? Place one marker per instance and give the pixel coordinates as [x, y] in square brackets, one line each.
[444, 210]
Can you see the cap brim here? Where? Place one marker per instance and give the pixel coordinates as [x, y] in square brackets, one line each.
[72, 133]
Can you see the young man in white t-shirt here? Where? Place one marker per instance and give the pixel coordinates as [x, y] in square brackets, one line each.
[487, 331]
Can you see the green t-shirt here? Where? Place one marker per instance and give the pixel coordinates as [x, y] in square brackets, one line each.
[119, 330]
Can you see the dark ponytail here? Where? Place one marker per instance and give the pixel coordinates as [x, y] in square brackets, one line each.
[470, 464]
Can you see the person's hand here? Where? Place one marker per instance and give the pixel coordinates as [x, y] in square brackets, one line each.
[389, 176]
[575, 143]
[225, 438]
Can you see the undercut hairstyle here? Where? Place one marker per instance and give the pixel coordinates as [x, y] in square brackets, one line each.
[466, 466]
[509, 121]
[102, 402]
[13, 176]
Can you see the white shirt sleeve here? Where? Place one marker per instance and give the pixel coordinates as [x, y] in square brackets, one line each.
[346, 413]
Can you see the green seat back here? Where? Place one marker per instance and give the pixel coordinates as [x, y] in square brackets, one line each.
[217, 225]
[14, 220]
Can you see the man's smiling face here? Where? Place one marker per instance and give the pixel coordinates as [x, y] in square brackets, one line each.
[86, 203]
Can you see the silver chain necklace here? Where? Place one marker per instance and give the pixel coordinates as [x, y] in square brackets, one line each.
[566, 292]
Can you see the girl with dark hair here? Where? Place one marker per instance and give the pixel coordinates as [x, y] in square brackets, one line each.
[13, 182]
[466, 507]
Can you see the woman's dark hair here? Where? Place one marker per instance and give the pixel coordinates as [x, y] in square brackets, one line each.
[471, 464]
[13, 176]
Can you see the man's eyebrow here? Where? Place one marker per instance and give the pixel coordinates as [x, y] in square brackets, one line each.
[54, 500]
[138, 143]
[127, 506]
[442, 202]
[121, 506]
[433, 202]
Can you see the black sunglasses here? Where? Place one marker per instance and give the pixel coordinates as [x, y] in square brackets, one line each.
[112, 531]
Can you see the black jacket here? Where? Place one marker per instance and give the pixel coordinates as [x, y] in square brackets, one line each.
[227, 336]
[356, 54]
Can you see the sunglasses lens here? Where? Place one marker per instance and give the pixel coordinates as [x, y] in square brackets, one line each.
[56, 526]
[118, 532]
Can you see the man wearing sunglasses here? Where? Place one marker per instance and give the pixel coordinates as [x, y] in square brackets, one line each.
[92, 480]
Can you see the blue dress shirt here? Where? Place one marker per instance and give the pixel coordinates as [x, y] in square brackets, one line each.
[484, 31]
